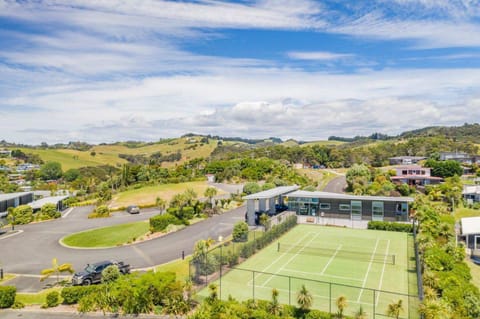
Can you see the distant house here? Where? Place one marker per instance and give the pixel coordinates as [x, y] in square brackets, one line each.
[27, 167]
[210, 178]
[460, 157]
[471, 193]
[405, 160]
[5, 153]
[415, 175]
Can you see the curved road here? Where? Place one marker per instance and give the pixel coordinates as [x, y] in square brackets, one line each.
[32, 250]
[336, 185]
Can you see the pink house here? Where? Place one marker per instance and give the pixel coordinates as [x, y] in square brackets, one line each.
[415, 175]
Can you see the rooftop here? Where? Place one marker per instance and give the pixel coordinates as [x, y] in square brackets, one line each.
[470, 225]
[47, 200]
[471, 189]
[12, 195]
[274, 192]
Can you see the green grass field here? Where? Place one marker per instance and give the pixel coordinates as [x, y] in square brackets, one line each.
[330, 262]
[462, 212]
[147, 195]
[107, 236]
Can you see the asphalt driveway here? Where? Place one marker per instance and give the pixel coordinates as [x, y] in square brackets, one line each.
[32, 250]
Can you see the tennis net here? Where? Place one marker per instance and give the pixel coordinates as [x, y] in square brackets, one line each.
[337, 253]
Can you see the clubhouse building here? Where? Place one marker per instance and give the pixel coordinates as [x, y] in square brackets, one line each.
[330, 205]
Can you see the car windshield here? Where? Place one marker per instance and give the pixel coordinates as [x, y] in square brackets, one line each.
[90, 268]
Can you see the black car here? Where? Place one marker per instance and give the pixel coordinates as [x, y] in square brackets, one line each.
[92, 274]
[133, 209]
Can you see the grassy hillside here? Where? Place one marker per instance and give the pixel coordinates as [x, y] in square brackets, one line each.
[147, 195]
[108, 154]
[322, 143]
[75, 159]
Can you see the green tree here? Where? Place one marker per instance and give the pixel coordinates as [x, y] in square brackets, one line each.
[240, 231]
[161, 204]
[56, 270]
[361, 314]
[274, 307]
[434, 309]
[341, 305]
[71, 175]
[20, 215]
[358, 177]
[51, 171]
[395, 309]
[251, 188]
[209, 193]
[304, 299]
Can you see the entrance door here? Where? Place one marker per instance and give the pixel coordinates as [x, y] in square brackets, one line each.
[356, 210]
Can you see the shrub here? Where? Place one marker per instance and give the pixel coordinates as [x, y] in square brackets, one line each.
[72, 295]
[240, 231]
[52, 300]
[49, 211]
[390, 226]
[160, 222]
[7, 296]
[23, 214]
[100, 212]
[18, 305]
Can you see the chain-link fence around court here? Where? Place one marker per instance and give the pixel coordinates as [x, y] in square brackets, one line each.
[220, 266]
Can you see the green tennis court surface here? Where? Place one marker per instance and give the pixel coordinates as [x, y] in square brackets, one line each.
[370, 268]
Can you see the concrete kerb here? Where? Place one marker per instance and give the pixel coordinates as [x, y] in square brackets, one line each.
[14, 233]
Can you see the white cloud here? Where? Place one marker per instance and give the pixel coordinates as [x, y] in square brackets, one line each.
[318, 55]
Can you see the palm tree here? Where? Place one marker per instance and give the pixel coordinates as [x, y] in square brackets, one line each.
[434, 309]
[361, 314]
[304, 298]
[56, 270]
[341, 305]
[395, 308]
[429, 293]
[161, 204]
[274, 308]
[210, 192]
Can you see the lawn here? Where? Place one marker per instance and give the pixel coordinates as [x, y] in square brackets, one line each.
[107, 236]
[322, 143]
[75, 159]
[475, 271]
[179, 267]
[36, 298]
[6, 277]
[462, 212]
[147, 195]
[330, 262]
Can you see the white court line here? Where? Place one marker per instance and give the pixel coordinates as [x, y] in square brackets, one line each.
[281, 256]
[68, 212]
[383, 272]
[368, 271]
[291, 258]
[317, 274]
[331, 259]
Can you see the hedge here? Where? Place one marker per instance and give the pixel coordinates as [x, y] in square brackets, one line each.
[160, 222]
[7, 296]
[72, 295]
[391, 226]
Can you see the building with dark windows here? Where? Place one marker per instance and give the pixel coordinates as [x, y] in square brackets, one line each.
[333, 205]
[14, 200]
[405, 160]
[415, 175]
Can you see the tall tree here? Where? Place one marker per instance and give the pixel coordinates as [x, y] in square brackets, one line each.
[51, 171]
[304, 299]
[56, 270]
[395, 308]
[341, 305]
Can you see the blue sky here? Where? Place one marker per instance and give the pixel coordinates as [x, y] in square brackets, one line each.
[144, 69]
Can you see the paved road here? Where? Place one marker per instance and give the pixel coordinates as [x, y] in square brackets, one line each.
[336, 185]
[32, 250]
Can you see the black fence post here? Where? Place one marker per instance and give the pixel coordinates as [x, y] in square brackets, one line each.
[1, 273]
[253, 284]
[374, 301]
[183, 254]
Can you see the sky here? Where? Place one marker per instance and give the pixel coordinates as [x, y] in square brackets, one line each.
[106, 71]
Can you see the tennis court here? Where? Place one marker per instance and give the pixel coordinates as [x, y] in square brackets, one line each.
[370, 268]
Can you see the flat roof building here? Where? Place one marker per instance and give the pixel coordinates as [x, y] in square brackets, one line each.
[56, 200]
[14, 200]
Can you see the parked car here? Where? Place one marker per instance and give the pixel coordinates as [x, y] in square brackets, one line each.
[92, 274]
[133, 209]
